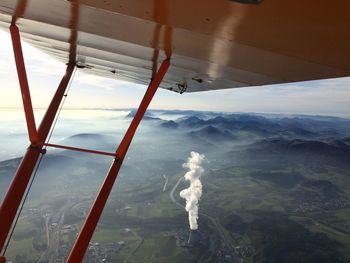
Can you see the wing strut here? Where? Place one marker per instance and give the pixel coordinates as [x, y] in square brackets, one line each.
[23, 81]
[19, 184]
[79, 248]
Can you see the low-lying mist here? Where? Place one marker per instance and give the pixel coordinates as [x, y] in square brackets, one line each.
[288, 165]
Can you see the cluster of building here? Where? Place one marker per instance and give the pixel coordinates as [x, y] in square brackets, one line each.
[244, 251]
[181, 236]
[223, 256]
[98, 253]
[316, 205]
[185, 238]
[67, 229]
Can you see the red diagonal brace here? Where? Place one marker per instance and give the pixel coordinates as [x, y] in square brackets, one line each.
[15, 193]
[79, 150]
[23, 82]
[79, 248]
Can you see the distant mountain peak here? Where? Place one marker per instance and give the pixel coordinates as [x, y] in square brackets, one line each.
[211, 133]
[169, 124]
[148, 115]
[191, 121]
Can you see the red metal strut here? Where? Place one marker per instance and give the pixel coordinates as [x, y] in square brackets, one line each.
[79, 150]
[79, 248]
[23, 81]
[15, 193]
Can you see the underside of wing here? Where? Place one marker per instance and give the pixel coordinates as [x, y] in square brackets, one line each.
[213, 44]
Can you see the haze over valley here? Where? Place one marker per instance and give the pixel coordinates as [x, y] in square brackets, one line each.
[274, 188]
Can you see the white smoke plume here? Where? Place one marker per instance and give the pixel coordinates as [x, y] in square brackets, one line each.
[193, 193]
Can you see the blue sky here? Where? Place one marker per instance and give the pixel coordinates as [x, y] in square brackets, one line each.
[326, 97]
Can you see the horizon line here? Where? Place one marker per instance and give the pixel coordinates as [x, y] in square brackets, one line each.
[347, 117]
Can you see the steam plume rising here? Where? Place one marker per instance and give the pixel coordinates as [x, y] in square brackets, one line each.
[193, 193]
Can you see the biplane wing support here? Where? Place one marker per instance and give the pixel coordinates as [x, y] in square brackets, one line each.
[79, 248]
[37, 137]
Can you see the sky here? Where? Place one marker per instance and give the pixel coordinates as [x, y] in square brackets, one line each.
[325, 97]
